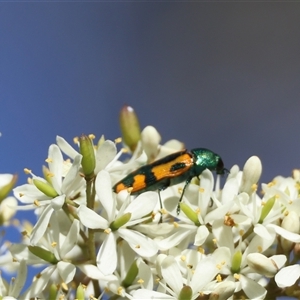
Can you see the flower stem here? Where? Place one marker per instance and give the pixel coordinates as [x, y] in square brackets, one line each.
[90, 201]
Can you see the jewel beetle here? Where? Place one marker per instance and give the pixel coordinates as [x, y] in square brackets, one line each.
[170, 170]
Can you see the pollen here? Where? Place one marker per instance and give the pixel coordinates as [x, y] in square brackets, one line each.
[138, 246]
[198, 210]
[259, 249]
[118, 140]
[237, 276]
[75, 140]
[201, 250]
[214, 241]
[201, 190]
[219, 266]
[219, 278]
[140, 281]
[50, 175]
[27, 171]
[180, 190]
[119, 290]
[129, 190]
[36, 202]
[254, 187]
[176, 225]
[124, 150]
[53, 244]
[228, 221]
[64, 286]
[49, 160]
[107, 230]
[21, 194]
[163, 211]
[272, 183]
[183, 257]
[91, 136]
[241, 232]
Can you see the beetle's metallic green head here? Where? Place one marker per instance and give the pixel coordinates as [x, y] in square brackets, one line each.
[206, 159]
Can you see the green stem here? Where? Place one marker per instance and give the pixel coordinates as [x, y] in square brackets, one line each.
[90, 201]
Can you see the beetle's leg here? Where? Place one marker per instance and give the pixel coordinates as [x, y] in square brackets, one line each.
[160, 202]
[180, 199]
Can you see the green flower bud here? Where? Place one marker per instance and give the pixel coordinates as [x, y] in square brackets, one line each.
[130, 127]
[53, 291]
[80, 292]
[43, 254]
[266, 209]
[115, 225]
[190, 213]
[6, 189]
[45, 188]
[186, 293]
[88, 155]
[131, 275]
[236, 262]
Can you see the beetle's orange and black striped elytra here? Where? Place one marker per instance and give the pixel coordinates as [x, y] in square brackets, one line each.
[170, 170]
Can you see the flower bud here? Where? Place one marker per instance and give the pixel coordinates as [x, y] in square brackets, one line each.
[8, 208]
[43, 254]
[223, 291]
[290, 223]
[236, 262]
[80, 295]
[190, 213]
[251, 174]
[7, 182]
[116, 224]
[150, 141]
[131, 275]
[88, 155]
[130, 127]
[266, 209]
[45, 188]
[186, 293]
[53, 290]
[262, 264]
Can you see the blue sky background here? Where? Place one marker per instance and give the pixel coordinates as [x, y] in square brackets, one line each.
[224, 76]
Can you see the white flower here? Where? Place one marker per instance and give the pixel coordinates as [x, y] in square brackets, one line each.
[61, 188]
[134, 212]
[63, 247]
[13, 290]
[197, 281]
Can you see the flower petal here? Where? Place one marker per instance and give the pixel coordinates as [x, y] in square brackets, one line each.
[66, 271]
[171, 274]
[287, 276]
[104, 193]
[142, 245]
[71, 238]
[107, 255]
[41, 225]
[55, 166]
[105, 154]
[142, 205]
[91, 219]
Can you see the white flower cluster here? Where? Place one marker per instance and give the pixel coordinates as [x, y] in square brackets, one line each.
[226, 243]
